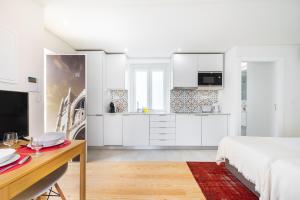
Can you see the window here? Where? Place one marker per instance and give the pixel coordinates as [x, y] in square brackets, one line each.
[149, 86]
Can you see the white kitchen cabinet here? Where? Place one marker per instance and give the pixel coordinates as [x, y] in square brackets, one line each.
[214, 128]
[95, 130]
[186, 67]
[136, 130]
[95, 60]
[185, 70]
[113, 129]
[188, 130]
[116, 66]
[210, 62]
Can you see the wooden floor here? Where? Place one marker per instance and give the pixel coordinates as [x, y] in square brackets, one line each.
[133, 181]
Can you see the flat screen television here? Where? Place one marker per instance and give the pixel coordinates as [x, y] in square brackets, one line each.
[13, 113]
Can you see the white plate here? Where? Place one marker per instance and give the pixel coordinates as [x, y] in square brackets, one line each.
[11, 160]
[57, 143]
[6, 154]
[49, 139]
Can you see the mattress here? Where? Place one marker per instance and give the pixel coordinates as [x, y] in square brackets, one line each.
[253, 157]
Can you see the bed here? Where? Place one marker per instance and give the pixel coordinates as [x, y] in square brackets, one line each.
[251, 159]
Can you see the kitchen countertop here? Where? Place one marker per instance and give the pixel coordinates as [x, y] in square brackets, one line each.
[166, 113]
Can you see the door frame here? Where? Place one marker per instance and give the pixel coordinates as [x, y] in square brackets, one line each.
[280, 63]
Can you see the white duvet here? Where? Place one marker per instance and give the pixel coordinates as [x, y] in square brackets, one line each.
[284, 179]
[254, 156]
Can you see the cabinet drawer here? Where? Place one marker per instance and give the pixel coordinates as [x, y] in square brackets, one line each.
[162, 142]
[163, 130]
[162, 118]
[159, 136]
[162, 124]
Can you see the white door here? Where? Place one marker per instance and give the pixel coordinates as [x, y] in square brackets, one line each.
[95, 130]
[94, 82]
[262, 99]
[113, 129]
[185, 70]
[188, 130]
[135, 130]
[214, 128]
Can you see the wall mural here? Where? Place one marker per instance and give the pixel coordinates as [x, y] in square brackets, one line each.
[66, 95]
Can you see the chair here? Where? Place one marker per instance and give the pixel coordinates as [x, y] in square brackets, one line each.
[44, 185]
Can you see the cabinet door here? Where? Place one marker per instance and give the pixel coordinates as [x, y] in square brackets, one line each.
[113, 130]
[116, 65]
[210, 62]
[188, 130]
[135, 130]
[94, 82]
[95, 130]
[214, 128]
[185, 70]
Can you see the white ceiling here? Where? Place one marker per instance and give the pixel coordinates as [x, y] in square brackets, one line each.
[156, 28]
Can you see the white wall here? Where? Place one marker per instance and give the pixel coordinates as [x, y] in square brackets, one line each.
[55, 44]
[26, 20]
[289, 59]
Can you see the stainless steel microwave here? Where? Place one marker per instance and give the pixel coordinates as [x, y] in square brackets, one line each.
[210, 79]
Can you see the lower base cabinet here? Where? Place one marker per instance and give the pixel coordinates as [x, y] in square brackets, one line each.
[95, 130]
[136, 130]
[113, 129]
[188, 130]
[214, 128]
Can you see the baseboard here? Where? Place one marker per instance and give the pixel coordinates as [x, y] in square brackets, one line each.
[154, 147]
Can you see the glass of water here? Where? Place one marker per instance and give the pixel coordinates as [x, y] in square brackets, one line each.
[10, 138]
[37, 145]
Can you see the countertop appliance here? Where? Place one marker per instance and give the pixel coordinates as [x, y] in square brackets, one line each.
[206, 108]
[210, 78]
[112, 108]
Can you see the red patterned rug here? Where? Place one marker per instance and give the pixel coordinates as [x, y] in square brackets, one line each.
[216, 182]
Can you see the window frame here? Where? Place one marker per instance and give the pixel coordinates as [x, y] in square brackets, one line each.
[149, 68]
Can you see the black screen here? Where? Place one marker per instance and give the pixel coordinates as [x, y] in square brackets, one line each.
[13, 113]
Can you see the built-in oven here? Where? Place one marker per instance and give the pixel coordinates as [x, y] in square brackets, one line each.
[210, 79]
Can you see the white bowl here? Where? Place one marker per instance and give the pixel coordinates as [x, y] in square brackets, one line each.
[6, 154]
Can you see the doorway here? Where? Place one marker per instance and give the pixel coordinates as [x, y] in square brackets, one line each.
[260, 97]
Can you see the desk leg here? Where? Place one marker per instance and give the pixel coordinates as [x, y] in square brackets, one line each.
[83, 175]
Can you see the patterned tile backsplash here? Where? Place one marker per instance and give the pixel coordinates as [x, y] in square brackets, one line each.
[120, 99]
[189, 100]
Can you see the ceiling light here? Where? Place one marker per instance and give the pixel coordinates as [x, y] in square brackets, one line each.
[179, 49]
[126, 50]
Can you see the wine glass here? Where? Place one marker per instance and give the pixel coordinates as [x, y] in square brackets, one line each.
[37, 145]
[10, 138]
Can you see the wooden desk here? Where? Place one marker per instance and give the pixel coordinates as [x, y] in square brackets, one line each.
[16, 181]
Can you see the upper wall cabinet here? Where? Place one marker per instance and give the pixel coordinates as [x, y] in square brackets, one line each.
[185, 68]
[210, 62]
[116, 66]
